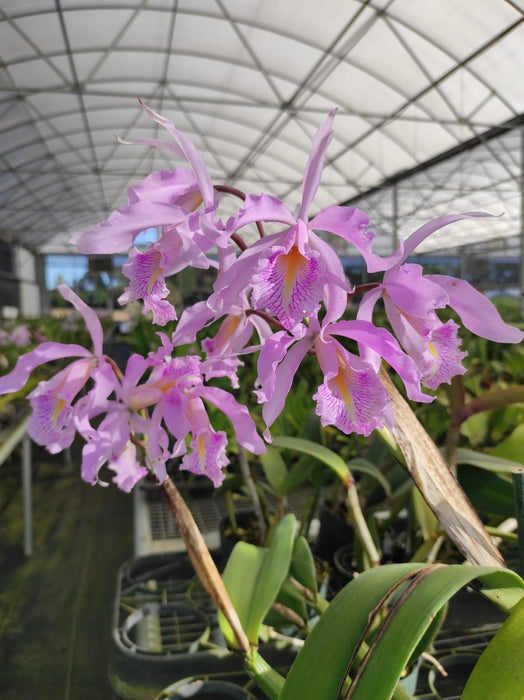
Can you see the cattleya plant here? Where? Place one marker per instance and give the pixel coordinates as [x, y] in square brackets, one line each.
[280, 298]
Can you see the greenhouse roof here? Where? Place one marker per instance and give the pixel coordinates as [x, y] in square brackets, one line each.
[250, 81]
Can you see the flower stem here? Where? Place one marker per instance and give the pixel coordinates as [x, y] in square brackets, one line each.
[267, 317]
[359, 523]
[253, 495]
[241, 195]
[457, 397]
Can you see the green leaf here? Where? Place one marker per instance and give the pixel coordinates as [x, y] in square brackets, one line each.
[291, 598]
[243, 569]
[499, 673]
[475, 428]
[429, 635]
[512, 448]
[303, 565]
[306, 468]
[407, 625]
[364, 466]
[275, 469]
[267, 679]
[312, 429]
[484, 461]
[488, 493]
[325, 455]
[424, 515]
[320, 667]
[253, 576]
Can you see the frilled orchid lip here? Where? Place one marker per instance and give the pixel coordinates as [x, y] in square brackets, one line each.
[353, 400]
[289, 285]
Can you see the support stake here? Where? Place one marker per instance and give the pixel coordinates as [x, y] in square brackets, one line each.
[518, 490]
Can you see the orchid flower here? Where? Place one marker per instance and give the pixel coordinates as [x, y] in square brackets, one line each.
[176, 392]
[224, 349]
[410, 299]
[51, 421]
[21, 336]
[166, 200]
[290, 271]
[162, 199]
[351, 396]
[110, 444]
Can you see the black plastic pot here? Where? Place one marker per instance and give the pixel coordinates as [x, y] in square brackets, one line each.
[334, 532]
[343, 570]
[247, 531]
[162, 621]
[161, 568]
[165, 628]
[213, 690]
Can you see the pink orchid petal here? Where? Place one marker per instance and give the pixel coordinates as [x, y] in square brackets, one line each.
[232, 281]
[446, 356]
[243, 424]
[192, 321]
[262, 207]
[476, 311]
[51, 422]
[45, 352]
[175, 414]
[191, 155]
[177, 188]
[156, 143]
[145, 272]
[351, 225]
[383, 343]
[430, 227]
[281, 383]
[158, 444]
[103, 443]
[313, 171]
[135, 369]
[413, 292]
[367, 303]
[233, 334]
[117, 233]
[289, 285]
[271, 355]
[208, 455]
[336, 285]
[90, 318]
[128, 471]
[433, 346]
[105, 383]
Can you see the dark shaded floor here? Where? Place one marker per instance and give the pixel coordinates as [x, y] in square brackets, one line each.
[56, 606]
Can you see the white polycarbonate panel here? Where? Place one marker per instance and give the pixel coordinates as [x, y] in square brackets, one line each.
[250, 82]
